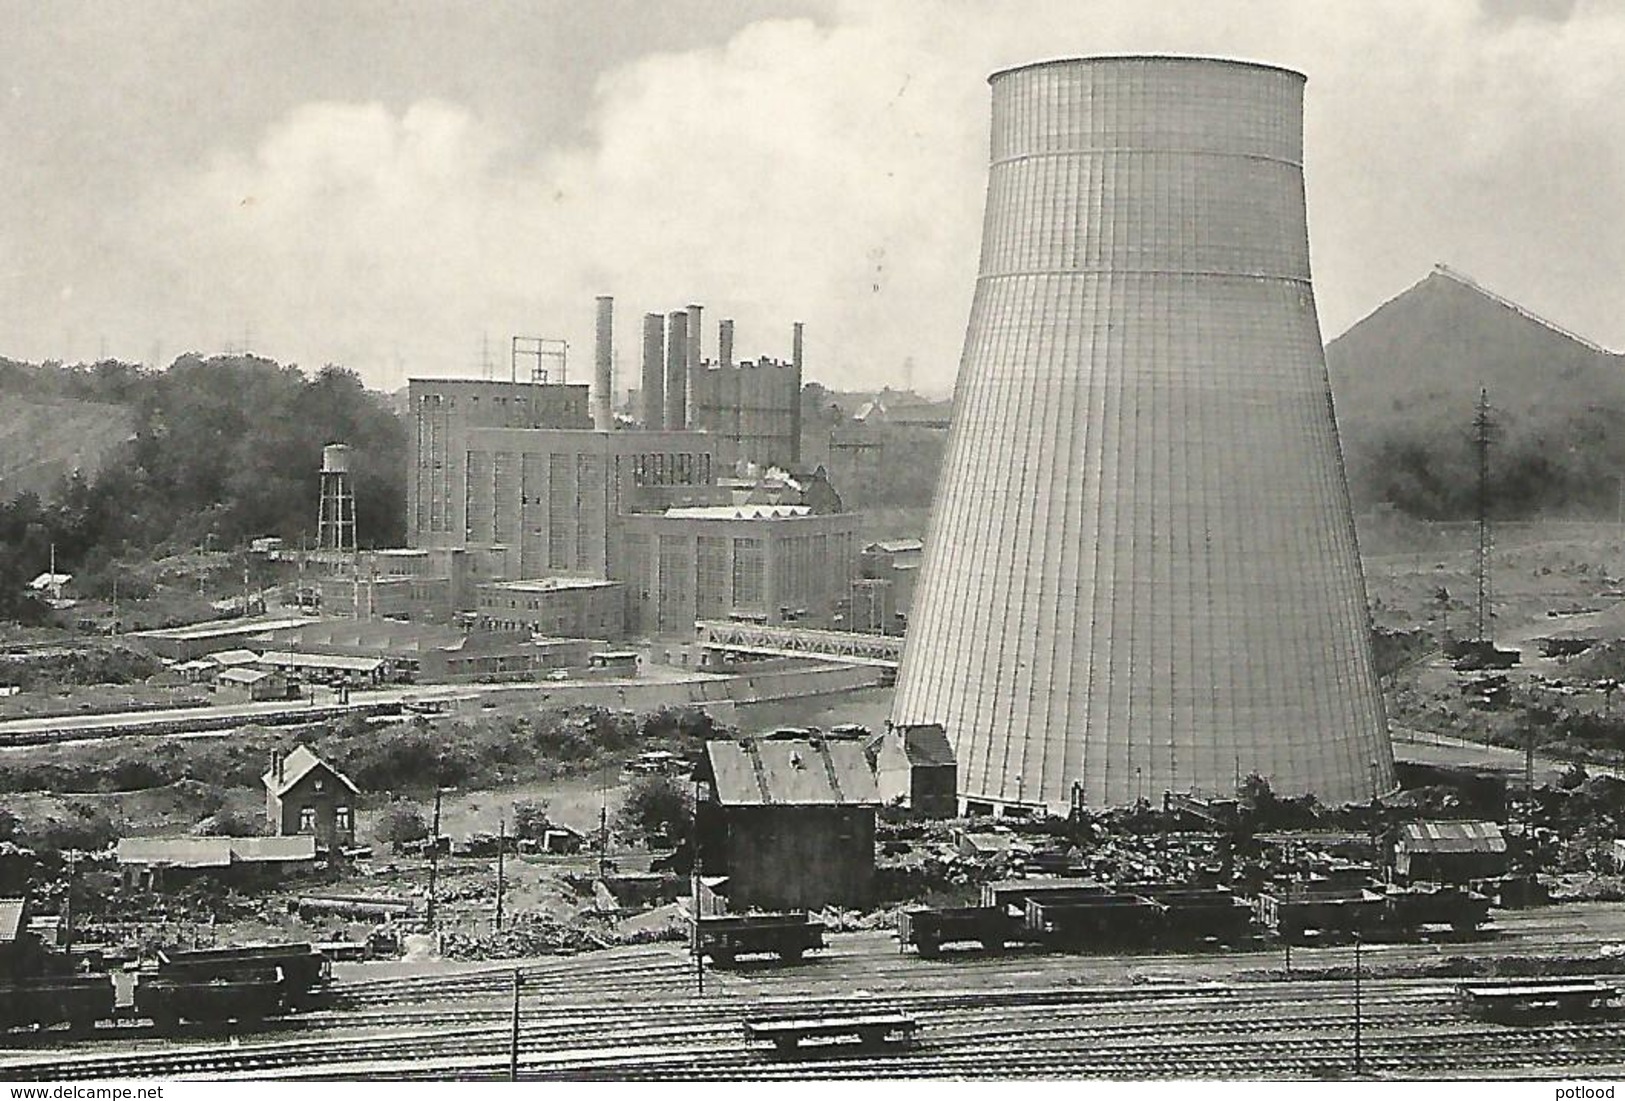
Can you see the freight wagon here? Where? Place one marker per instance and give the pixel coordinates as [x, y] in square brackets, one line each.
[724, 938]
[990, 927]
[80, 1001]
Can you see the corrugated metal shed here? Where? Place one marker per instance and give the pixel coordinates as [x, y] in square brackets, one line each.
[1452, 837]
[11, 918]
[756, 772]
[241, 676]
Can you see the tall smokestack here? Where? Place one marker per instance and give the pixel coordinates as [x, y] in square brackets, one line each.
[1141, 572]
[677, 370]
[653, 397]
[725, 343]
[695, 350]
[795, 398]
[603, 377]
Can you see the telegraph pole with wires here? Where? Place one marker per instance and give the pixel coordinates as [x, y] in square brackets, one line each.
[502, 848]
[1484, 428]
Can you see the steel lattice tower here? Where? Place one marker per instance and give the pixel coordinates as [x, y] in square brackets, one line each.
[1141, 573]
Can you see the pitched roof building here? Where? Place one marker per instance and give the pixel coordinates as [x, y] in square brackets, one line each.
[306, 795]
[790, 822]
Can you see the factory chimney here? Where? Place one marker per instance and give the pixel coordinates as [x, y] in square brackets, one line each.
[1141, 573]
[603, 380]
[795, 398]
[677, 370]
[696, 362]
[653, 396]
[725, 343]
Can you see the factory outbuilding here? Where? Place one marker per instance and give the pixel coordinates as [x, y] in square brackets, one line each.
[914, 767]
[790, 823]
[1449, 852]
[166, 863]
[306, 795]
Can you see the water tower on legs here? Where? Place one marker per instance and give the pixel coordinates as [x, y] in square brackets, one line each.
[1141, 572]
[335, 521]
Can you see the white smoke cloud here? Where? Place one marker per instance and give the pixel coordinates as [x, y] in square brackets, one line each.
[832, 172]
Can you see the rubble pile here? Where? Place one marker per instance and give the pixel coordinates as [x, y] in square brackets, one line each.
[528, 936]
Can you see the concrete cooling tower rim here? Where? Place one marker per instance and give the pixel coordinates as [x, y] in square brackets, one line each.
[1114, 59]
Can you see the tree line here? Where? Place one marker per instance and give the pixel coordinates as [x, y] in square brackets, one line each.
[224, 449]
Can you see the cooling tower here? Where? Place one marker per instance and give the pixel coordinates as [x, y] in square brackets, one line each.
[1141, 574]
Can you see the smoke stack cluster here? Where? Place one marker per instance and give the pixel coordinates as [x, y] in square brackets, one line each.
[1141, 573]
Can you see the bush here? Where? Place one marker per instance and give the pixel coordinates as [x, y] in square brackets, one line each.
[80, 826]
[657, 806]
[401, 824]
[530, 819]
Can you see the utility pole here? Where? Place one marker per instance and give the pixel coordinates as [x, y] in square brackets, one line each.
[1359, 1061]
[1483, 432]
[603, 841]
[502, 845]
[434, 849]
[694, 845]
[513, 1043]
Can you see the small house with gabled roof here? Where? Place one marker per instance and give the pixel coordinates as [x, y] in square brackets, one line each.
[305, 794]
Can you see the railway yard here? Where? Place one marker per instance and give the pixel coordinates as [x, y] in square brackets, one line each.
[636, 1013]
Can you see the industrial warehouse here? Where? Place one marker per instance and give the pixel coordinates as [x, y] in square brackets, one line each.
[1170, 691]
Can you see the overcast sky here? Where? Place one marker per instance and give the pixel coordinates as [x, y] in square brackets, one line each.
[382, 184]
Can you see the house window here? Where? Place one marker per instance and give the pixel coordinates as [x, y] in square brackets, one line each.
[341, 819]
[307, 819]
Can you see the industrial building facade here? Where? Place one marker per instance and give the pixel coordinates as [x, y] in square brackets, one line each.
[442, 411]
[553, 517]
[549, 502]
[764, 563]
[568, 607]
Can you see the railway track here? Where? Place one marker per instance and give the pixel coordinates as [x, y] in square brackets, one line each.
[654, 1040]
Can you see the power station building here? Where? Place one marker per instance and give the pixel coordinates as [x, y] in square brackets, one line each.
[1141, 573]
[551, 520]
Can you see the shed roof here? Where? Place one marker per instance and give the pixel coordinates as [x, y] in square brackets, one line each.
[11, 918]
[322, 661]
[241, 676]
[1452, 837]
[806, 772]
[232, 657]
[180, 852]
[927, 745]
[215, 852]
[296, 765]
